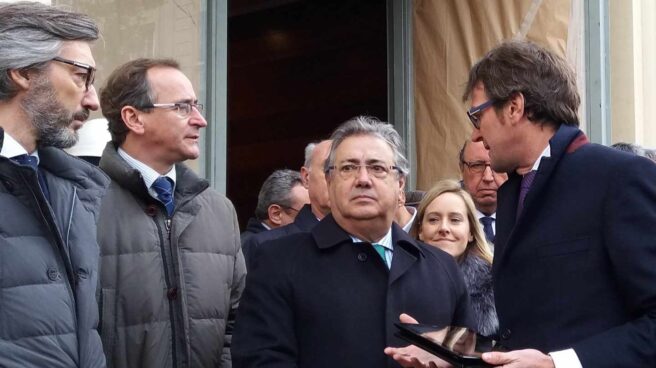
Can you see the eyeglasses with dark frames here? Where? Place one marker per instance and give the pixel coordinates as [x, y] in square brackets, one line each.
[477, 167]
[183, 109]
[474, 112]
[89, 78]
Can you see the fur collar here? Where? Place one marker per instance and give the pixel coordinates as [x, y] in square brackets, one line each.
[478, 278]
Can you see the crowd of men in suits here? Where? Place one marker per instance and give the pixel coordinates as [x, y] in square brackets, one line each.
[138, 263]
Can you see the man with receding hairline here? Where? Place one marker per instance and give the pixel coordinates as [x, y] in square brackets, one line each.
[171, 260]
[314, 180]
[479, 180]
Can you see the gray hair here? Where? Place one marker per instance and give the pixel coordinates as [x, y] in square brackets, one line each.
[276, 189]
[367, 125]
[31, 34]
[308, 154]
[629, 147]
[651, 154]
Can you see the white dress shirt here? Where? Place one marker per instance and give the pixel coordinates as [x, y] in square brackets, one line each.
[11, 148]
[148, 174]
[386, 242]
[413, 211]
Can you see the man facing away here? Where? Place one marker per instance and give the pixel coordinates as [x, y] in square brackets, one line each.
[49, 201]
[280, 199]
[329, 297]
[479, 180]
[172, 267]
[314, 180]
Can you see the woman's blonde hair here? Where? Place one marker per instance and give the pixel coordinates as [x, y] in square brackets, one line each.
[479, 245]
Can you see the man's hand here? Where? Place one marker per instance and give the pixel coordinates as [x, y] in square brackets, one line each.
[412, 356]
[528, 358]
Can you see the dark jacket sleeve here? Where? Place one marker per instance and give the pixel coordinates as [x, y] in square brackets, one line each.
[630, 240]
[264, 332]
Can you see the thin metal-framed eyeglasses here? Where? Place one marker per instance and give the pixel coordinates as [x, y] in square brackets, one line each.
[476, 167]
[289, 208]
[474, 112]
[183, 109]
[91, 71]
[378, 171]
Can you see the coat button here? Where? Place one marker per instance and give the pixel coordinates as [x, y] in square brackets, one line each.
[505, 335]
[362, 257]
[151, 210]
[53, 274]
[172, 293]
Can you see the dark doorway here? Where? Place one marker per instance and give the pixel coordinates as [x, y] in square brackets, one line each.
[296, 70]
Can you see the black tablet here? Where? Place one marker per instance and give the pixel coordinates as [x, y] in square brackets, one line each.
[455, 345]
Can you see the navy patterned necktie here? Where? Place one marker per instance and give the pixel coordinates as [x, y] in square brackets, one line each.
[527, 181]
[26, 160]
[163, 186]
[32, 162]
[487, 228]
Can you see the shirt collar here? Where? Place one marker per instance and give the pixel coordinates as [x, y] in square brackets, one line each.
[386, 241]
[11, 148]
[148, 174]
[545, 153]
[480, 215]
[408, 226]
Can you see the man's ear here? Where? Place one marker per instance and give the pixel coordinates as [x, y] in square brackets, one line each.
[305, 177]
[402, 186]
[132, 119]
[515, 106]
[21, 77]
[275, 214]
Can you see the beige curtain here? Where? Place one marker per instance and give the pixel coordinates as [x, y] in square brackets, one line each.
[449, 37]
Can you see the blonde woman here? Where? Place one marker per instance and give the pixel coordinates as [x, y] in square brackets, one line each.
[446, 219]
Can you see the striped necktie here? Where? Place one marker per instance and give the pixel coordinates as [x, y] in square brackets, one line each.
[525, 185]
[163, 186]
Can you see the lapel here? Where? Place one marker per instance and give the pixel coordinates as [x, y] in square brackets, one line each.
[406, 253]
[566, 140]
[305, 220]
[327, 233]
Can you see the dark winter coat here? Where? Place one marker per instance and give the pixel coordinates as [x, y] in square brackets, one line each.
[577, 268]
[317, 299]
[49, 263]
[170, 287]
